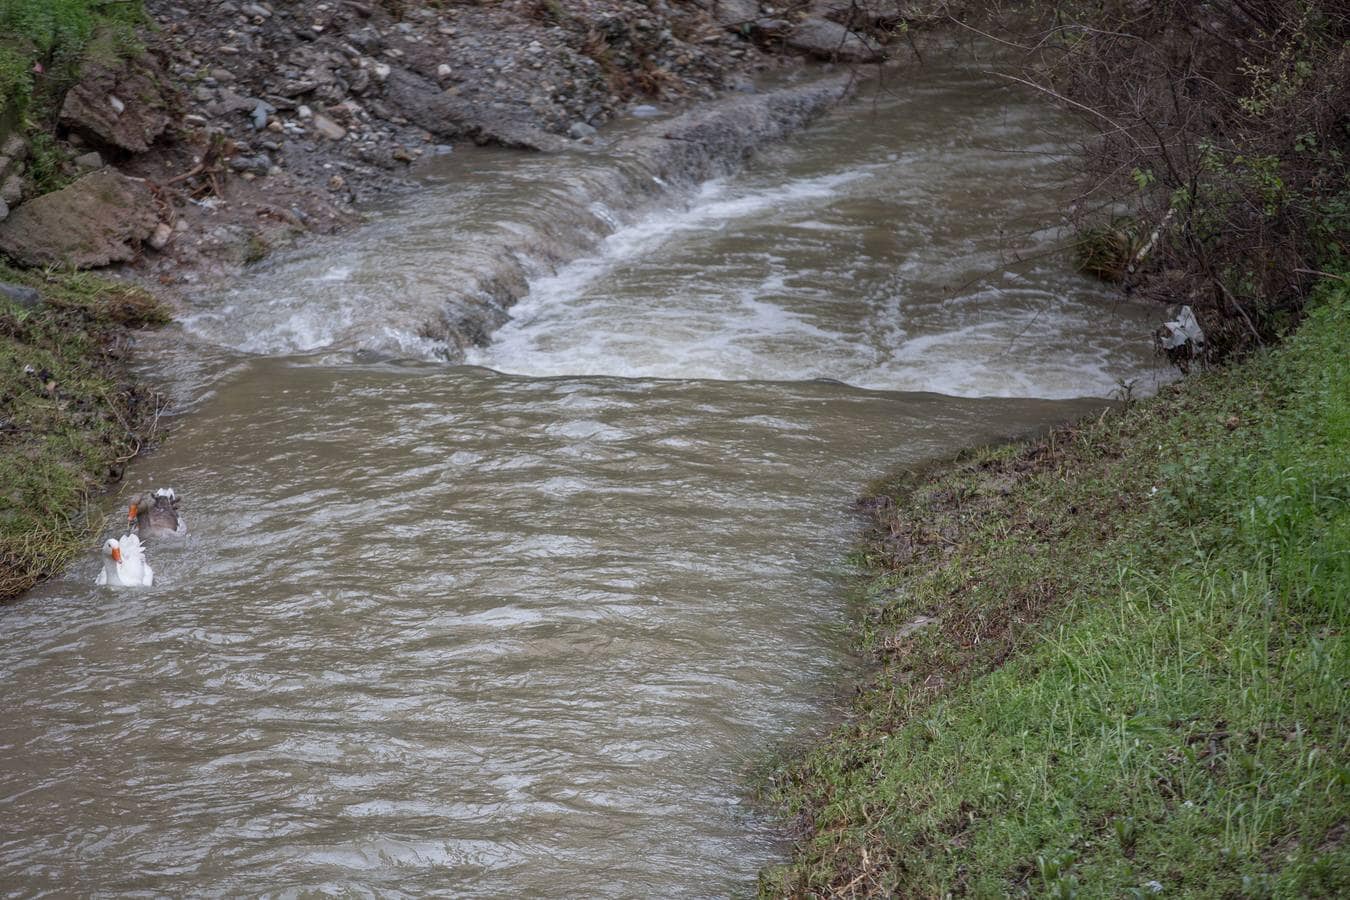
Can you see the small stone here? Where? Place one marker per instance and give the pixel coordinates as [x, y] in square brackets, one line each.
[253, 165]
[646, 111]
[88, 161]
[581, 131]
[305, 112]
[443, 71]
[157, 240]
[21, 294]
[741, 85]
[11, 192]
[337, 183]
[328, 128]
[260, 114]
[118, 106]
[382, 71]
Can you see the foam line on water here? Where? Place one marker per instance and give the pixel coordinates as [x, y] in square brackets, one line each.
[553, 299]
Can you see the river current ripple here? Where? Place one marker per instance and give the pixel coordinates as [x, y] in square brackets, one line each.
[443, 630]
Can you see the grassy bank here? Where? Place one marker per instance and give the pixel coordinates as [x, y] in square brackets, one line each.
[70, 417]
[1112, 662]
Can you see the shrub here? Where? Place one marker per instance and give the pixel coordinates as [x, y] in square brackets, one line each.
[1222, 126]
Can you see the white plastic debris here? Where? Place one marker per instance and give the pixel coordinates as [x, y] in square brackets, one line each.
[1184, 328]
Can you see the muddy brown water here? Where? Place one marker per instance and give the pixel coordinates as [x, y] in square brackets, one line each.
[521, 628]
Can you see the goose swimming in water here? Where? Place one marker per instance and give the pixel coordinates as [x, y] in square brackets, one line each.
[124, 563]
[156, 515]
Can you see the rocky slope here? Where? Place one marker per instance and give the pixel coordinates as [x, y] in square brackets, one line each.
[243, 124]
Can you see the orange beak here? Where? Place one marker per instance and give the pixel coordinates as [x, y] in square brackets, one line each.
[117, 554]
[131, 513]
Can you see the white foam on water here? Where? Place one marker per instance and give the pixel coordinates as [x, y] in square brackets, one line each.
[283, 324]
[884, 268]
[703, 334]
[1011, 335]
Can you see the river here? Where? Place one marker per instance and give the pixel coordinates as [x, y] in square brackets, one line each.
[515, 613]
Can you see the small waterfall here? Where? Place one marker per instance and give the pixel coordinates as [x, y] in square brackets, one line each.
[436, 276]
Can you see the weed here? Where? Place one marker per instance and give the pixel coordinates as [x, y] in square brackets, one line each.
[1221, 128]
[255, 248]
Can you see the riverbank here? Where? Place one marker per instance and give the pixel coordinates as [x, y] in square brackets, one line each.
[71, 415]
[248, 125]
[1109, 662]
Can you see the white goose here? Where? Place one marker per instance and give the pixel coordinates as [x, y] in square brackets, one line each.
[124, 563]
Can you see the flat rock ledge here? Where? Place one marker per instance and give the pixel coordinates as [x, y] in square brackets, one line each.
[99, 219]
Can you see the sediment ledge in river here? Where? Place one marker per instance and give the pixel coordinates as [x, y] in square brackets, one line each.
[711, 140]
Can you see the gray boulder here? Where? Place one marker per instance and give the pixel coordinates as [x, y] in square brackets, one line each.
[427, 106]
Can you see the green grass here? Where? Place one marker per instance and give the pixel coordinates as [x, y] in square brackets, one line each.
[1137, 674]
[69, 417]
[60, 35]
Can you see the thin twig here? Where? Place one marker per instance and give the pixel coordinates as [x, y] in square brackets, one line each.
[1084, 107]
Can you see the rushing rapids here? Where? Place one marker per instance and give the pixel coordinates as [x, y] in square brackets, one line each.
[520, 627]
